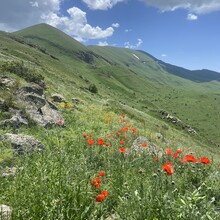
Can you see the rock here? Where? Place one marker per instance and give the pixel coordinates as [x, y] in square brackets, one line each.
[75, 101]
[142, 144]
[31, 89]
[9, 171]
[15, 121]
[7, 81]
[40, 110]
[5, 212]
[23, 143]
[58, 98]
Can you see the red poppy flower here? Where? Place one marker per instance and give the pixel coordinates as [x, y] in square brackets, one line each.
[122, 142]
[144, 144]
[117, 132]
[84, 135]
[168, 168]
[102, 173]
[156, 159]
[122, 150]
[168, 151]
[91, 141]
[101, 141]
[59, 122]
[178, 151]
[189, 158]
[107, 144]
[204, 160]
[96, 182]
[176, 155]
[123, 135]
[104, 193]
[90, 135]
[100, 198]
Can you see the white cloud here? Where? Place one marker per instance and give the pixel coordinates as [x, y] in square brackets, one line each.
[128, 30]
[101, 4]
[102, 43]
[163, 55]
[76, 25]
[115, 25]
[15, 15]
[135, 46]
[192, 17]
[34, 4]
[193, 6]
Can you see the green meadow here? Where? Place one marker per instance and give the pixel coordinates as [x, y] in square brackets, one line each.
[89, 169]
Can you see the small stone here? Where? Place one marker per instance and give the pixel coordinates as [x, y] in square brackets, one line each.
[5, 212]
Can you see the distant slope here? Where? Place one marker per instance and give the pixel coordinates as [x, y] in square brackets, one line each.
[203, 75]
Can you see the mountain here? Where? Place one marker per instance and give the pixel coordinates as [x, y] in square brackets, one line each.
[127, 76]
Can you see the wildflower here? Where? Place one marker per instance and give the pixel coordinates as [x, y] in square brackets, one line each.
[204, 160]
[100, 198]
[144, 144]
[96, 182]
[104, 193]
[123, 135]
[122, 142]
[84, 135]
[100, 141]
[117, 132]
[124, 129]
[189, 158]
[91, 141]
[168, 168]
[122, 150]
[102, 173]
[107, 144]
[134, 131]
[168, 151]
[59, 122]
[156, 159]
[89, 135]
[178, 151]
[176, 155]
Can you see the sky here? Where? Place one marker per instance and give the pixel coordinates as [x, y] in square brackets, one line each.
[185, 33]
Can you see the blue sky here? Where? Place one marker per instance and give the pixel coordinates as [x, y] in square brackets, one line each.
[184, 33]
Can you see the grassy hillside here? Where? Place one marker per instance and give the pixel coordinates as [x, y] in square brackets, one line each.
[127, 76]
[91, 168]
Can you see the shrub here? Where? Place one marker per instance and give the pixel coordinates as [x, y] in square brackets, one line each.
[21, 70]
[93, 88]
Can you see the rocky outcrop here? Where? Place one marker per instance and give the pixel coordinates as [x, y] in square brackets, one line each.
[15, 121]
[177, 122]
[143, 145]
[40, 110]
[23, 143]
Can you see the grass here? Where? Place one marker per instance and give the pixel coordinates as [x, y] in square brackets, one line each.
[56, 184]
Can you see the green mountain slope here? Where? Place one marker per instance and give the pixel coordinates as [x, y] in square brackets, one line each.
[132, 77]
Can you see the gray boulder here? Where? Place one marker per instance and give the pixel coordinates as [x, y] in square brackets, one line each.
[15, 121]
[58, 98]
[143, 145]
[40, 110]
[5, 212]
[7, 81]
[23, 143]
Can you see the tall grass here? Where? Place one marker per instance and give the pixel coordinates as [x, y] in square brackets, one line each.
[61, 182]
